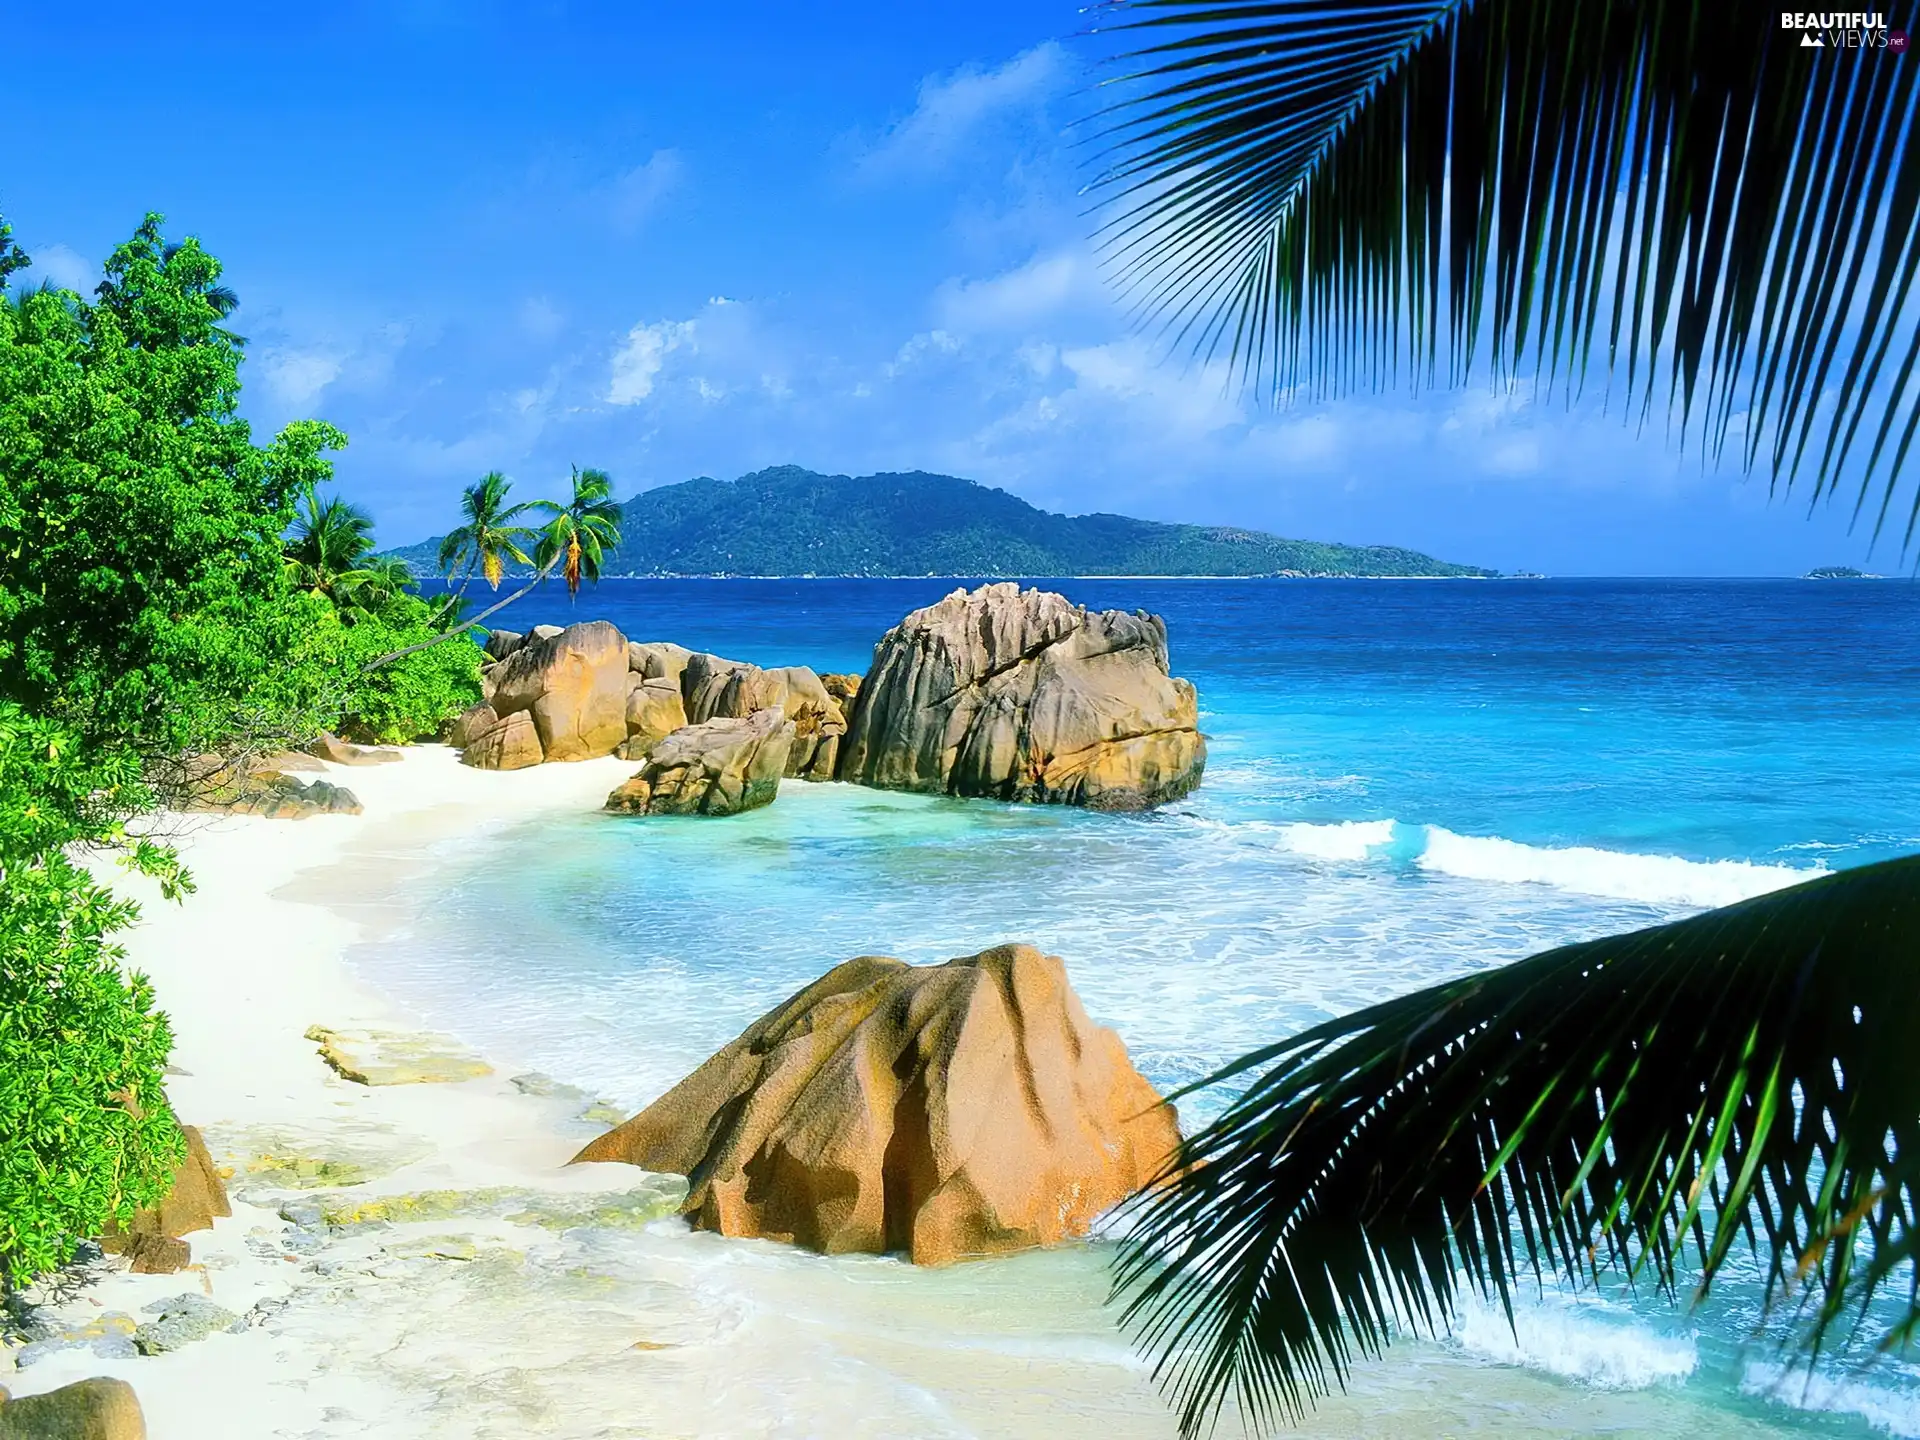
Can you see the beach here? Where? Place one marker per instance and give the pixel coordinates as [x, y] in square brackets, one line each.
[468, 1283]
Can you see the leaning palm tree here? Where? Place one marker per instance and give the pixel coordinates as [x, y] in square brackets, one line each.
[578, 535]
[582, 530]
[1676, 202]
[487, 538]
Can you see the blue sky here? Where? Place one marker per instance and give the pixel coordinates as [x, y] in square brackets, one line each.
[683, 240]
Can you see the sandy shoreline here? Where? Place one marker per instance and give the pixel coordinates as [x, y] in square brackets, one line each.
[435, 1270]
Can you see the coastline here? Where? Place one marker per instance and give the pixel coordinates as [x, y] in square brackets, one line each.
[544, 1300]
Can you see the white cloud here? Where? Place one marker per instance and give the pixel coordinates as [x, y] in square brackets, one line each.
[916, 349]
[1042, 288]
[63, 267]
[638, 362]
[295, 378]
[637, 194]
[952, 108]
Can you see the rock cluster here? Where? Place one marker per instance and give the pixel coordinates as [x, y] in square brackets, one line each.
[1021, 695]
[718, 767]
[1000, 692]
[194, 1199]
[948, 1111]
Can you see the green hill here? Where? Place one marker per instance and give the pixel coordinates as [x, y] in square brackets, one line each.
[789, 521]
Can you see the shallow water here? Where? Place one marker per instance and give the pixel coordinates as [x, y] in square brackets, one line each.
[1407, 781]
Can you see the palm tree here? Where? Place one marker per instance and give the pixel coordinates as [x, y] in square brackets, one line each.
[582, 529]
[1331, 194]
[578, 534]
[488, 538]
[326, 543]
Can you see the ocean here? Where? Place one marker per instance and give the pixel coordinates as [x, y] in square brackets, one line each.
[1407, 781]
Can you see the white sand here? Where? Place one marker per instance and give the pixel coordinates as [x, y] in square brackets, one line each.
[484, 1325]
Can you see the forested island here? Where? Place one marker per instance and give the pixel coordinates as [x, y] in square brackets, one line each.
[792, 521]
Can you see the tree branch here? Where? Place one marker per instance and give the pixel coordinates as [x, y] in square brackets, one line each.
[379, 661]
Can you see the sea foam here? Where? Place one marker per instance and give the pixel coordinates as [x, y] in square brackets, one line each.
[1577, 1341]
[1575, 869]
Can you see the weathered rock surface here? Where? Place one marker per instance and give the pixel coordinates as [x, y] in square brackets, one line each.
[502, 643]
[510, 743]
[470, 724]
[949, 1111]
[1021, 695]
[194, 1199]
[720, 767]
[180, 1321]
[331, 747]
[658, 659]
[654, 711]
[573, 683]
[275, 796]
[97, 1409]
[729, 689]
[396, 1057]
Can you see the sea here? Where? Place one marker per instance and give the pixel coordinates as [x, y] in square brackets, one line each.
[1407, 781]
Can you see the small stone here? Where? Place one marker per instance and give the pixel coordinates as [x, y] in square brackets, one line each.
[183, 1319]
[34, 1351]
[304, 1213]
[393, 1057]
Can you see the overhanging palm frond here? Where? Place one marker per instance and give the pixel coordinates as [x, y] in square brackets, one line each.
[1338, 188]
[1640, 1103]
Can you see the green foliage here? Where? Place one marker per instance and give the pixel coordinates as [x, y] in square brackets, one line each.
[86, 1135]
[789, 521]
[582, 530]
[1743, 1079]
[1337, 192]
[141, 601]
[413, 697]
[487, 538]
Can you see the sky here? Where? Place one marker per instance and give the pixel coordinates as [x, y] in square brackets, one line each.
[671, 240]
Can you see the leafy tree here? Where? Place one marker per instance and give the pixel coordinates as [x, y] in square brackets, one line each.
[582, 530]
[85, 1131]
[327, 541]
[1337, 194]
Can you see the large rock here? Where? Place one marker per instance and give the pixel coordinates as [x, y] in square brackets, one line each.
[274, 796]
[795, 691]
[718, 768]
[704, 680]
[512, 743]
[574, 684]
[502, 643]
[195, 1198]
[949, 1111]
[658, 659]
[97, 1409]
[470, 724]
[326, 746]
[654, 711]
[1021, 695]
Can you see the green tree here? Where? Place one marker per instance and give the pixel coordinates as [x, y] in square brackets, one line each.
[1339, 194]
[487, 538]
[581, 530]
[325, 545]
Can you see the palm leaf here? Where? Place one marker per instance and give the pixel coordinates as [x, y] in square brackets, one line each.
[1349, 189]
[1645, 1102]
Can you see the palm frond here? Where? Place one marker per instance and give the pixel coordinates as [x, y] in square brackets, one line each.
[1349, 189]
[1642, 1104]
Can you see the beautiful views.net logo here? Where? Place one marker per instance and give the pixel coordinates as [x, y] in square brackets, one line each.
[1843, 30]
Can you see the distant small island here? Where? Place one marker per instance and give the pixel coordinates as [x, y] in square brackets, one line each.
[788, 521]
[1838, 572]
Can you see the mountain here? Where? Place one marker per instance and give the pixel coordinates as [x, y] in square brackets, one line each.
[789, 521]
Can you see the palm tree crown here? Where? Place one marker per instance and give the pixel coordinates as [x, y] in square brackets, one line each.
[1336, 192]
[582, 530]
[487, 537]
[327, 541]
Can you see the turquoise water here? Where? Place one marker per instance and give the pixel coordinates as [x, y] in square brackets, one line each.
[1407, 781]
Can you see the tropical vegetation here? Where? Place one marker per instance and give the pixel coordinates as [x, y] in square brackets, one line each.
[176, 601]
[1712, 218]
